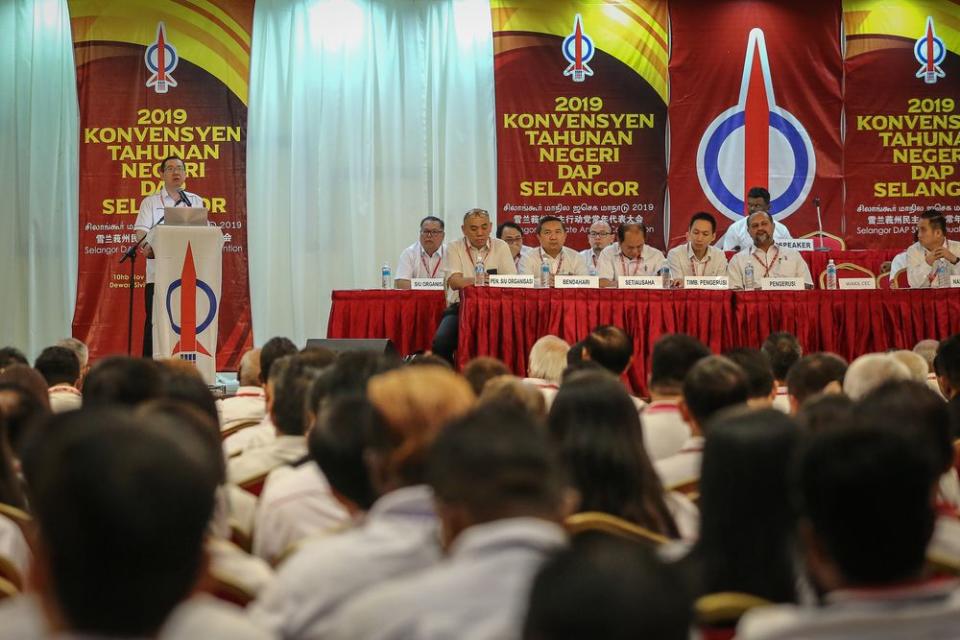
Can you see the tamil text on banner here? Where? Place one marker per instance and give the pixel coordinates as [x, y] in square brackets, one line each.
[756, 101]
[157, 78]
[902, 146]
[581, 91]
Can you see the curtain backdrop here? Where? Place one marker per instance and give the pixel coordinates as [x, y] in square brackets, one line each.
[363, 118]
[38, 171]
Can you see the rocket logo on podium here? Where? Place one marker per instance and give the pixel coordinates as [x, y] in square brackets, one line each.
[930, 52]
[189, 346]
[161, 59]
[756, 143]
[578, 50]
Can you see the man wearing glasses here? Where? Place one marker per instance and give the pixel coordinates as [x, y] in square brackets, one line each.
[600, 237]
[424, 258]
[171, 194]
[559, 259]
[738, 237]
[512, 234]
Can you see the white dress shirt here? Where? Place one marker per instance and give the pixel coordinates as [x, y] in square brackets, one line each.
[461, 258]
[13, 546]
[231, 563]
[64, 397]
[738, 235]
[567, 263]
[479, 591]
[250, 438]
[249, 403]
[664, 429]
[296, 503]
[415, 263]
[614, 263]
[255, 462]
[683, 466]
[685, 264]
[592, 260]
[775, 262]
[151, 212]
[898, 263]
[399, 535]
[921, 275]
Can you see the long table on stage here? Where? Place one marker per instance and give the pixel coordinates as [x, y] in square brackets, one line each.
[408, 318]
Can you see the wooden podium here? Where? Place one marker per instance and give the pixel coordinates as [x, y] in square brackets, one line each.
[186, 297]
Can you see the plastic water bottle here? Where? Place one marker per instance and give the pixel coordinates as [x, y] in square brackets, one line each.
[943, 280]
[479, 273]
[748, 282]
[544, 275]
[831, 275]
[665, 275]
[386, 276]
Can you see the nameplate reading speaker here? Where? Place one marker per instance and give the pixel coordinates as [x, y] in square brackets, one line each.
[856, 284]
[706, 282]
[639, 282]
[427, 284]
[576, 282]
[781, 284]
[800, 245]
[518, 281]
[954, 281]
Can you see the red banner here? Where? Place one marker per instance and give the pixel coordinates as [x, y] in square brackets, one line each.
[755, 101]
[902, 145]
[158, 78]
[581, 94]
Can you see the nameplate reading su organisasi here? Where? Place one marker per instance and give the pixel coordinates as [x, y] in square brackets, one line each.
[426, 284]
[518, 281]
[576, 282]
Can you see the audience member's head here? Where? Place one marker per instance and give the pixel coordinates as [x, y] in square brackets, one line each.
[946, 364]
[122, 510]
[80, 350]
[492, 464]
[866, 502]
[317, 357]
[870, 371]
[573, 371]
[825, 411]
[603, 587]
[927, 349]
[353, 370]
[249, 373]
[813, 374]
[120, 380]
[196, 426]
[914, 363]
[761, 388]
[512, 391]
[597, 429]
[481, 370]
[11, 355]
[29, 379]
[713, 383]
[186, 386]
[610, 347]
[274, 349]
[19, 411]
[746, 539]
[575, 354]
[290, 379]
[548, 359]
[10, 492]
[430, 360]
[58, 365]
[784, 350]
[415, 403]
[673, 356]
[337, 443]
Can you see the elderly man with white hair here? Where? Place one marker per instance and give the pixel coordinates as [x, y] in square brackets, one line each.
[249, 404]
[548, 359]
[870, 371]
[928, 350]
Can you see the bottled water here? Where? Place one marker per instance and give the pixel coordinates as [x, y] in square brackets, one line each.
[748, 282]
[665, 275]
[831, 275]
[480, 273]
[943, 279]
[386, 276]
[544, 275]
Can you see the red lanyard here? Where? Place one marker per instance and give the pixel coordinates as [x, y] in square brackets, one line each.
[426, 266]
[593, 255]
[768, 267]
[636, 270]
[694, 263]
[559, 263]
[466, 243]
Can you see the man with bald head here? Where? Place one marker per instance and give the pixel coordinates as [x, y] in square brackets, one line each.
[769, 260]
[632, 257]
[600, 237]
[249, 404]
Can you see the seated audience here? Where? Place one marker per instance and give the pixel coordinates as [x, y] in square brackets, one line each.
[664, 429]
[612, 348]
[946, 365]
[11, 355]
[760, 383]
[813, 374]
[870, 371]
[121, 380]
[28, 379]
[825, 411]
[424, 258]
[632, 256]
[783, 350]
[13, 544]
[561, 260]
[498, 493]
[513, 392]
[20, 410]
[548, 359]
[928, 350]
[481, 370]
[931, 249]
[914, 363]
[60, 368]
[249, 403]
[697, 258]
[83, 355]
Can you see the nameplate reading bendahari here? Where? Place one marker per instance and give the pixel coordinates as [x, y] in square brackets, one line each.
[782, 284]
[427, 284]
[576, 282]
[639, 282]
[856, 284]
[706, 282]
[518, 281]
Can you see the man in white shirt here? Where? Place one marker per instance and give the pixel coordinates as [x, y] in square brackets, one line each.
[561, 260]
[769, 260]
[738, 236]
[600, 237]
[61, 370]
[783, 351]
[171, 194]
[632, 256]
[932, 246]
[697, 258]
[512, 234]
[498, 491]
[424, 258]
[249, 403]
[475, 247]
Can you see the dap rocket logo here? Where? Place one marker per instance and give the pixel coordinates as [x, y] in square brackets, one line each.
[756, 143]
[578, 50]
[930, 52]
[161, 59]
[188, 346]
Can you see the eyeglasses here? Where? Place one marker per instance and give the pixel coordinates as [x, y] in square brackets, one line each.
[513, 240]
[172, 167]
[431, 232]
[599, 234]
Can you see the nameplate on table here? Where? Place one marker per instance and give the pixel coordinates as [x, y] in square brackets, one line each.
[781, 284]
[954, 281]
[518, 281]
[706, 282]
[639, 282]
[856, 284]
[427, 284]
[800, 245]
[576, 282]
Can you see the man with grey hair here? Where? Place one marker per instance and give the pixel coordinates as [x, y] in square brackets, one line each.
[768, 259]
[424, 258]
[249, 404]
[83, 355]
[600, 236]
[475, 248]
[928, 349]
[548, 359]
[870, 371]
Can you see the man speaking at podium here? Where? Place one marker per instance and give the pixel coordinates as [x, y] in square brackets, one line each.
[171, 194]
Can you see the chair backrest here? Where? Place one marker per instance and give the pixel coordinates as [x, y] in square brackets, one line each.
[254, 485]
[22, 519]
[827, 240]
[898, 280]
[227, 589]
[689, 488]
[717, 614]
[9, 572]
[846, 266]
[7, 589]
[237, 426]
[612, 525]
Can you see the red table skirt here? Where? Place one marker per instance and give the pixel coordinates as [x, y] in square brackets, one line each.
[408, 318]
